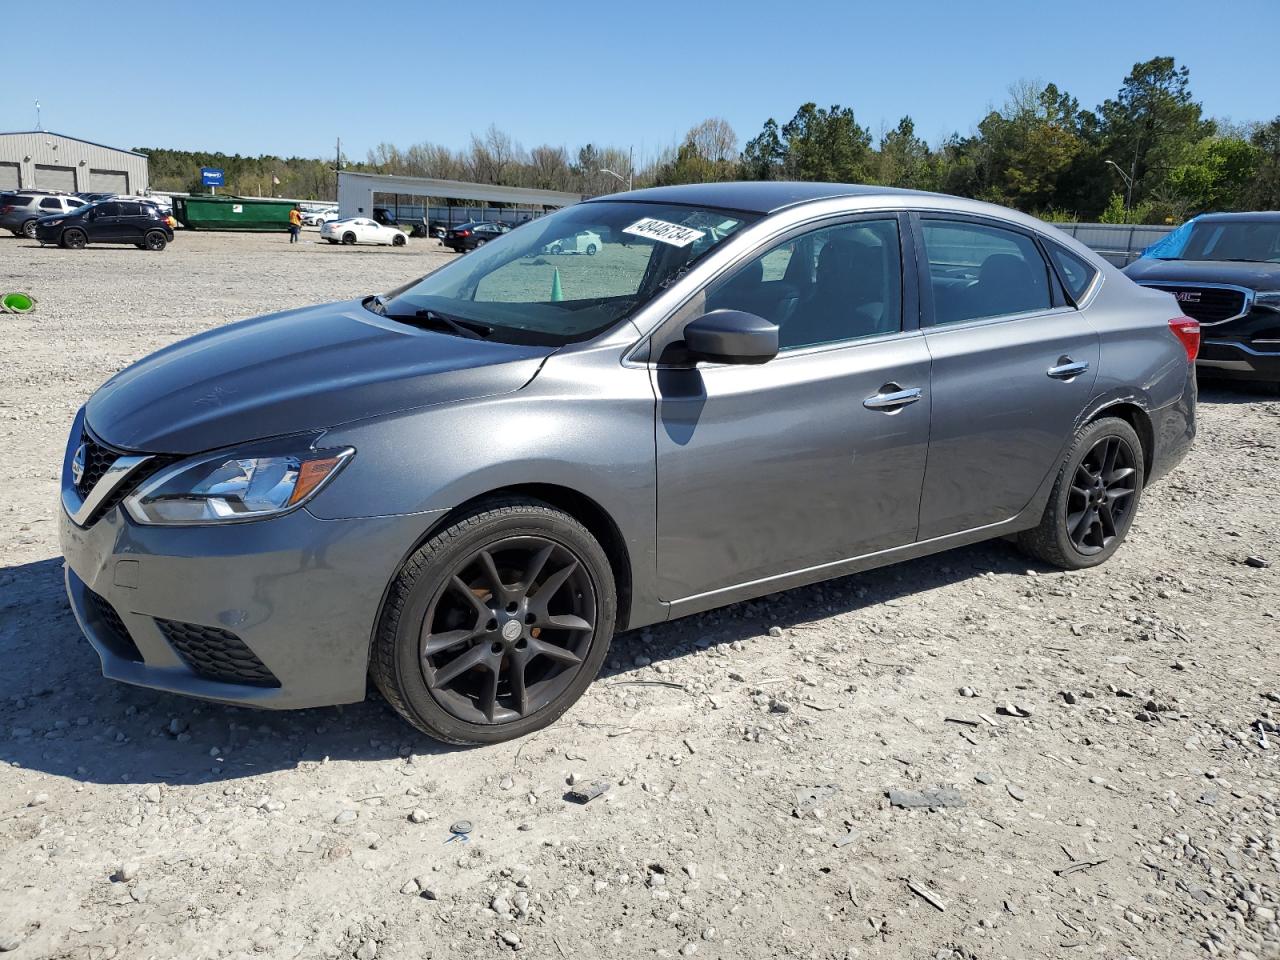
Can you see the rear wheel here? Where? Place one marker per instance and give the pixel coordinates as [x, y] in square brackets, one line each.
[155, 240]
[1094, 499]
[74, 239]
[348, 238]
[591, 249]
[497, 625]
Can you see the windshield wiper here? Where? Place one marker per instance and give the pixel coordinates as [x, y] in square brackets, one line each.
[463, 328]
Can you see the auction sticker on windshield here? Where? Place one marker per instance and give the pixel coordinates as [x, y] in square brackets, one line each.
[664, 232]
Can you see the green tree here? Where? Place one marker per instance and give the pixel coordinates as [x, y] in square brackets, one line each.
[764, 157]
[827, 144]
[904, 159]
[1263, 192]
[1150, 122]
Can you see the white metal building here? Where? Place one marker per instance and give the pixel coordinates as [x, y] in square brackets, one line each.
[41, 160]
[356, 190]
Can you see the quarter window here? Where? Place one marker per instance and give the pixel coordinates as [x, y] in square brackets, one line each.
[1076, 272]
[831, 285]
[979, 271]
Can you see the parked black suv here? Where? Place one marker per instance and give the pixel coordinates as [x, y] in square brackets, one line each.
[1224, 270]
[107, 221]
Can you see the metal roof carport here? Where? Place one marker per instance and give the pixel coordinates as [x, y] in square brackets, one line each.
[356, 190]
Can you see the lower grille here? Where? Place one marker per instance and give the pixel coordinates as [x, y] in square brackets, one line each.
[1207, 304]
[111, 629]
[216, 654]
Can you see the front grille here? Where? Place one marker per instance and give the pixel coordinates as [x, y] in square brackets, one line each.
[1206, 304]
[111, 629]
[98, 458]
[97, 461]
[216, 654]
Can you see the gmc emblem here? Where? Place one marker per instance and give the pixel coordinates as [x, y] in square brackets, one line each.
[1187, 296]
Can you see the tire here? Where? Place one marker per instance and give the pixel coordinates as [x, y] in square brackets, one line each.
[439, 591]
[74, 239]
[1076, 492]
[591, 249]
[155, 241]
[397, 241]
[330, 240]
[480, 243]
[556, 249]
[348, 238]
[29, 229]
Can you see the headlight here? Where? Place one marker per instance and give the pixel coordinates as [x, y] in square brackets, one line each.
[52, 223]
[253, 483]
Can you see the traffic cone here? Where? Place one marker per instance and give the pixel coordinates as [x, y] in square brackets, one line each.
[557, 294]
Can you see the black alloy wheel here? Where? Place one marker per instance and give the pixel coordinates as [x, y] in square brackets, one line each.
[74, 239]
[1101, 495]
[497, 624]
[509, 631]
[1094, 499]
[348, 238]
[155, 240]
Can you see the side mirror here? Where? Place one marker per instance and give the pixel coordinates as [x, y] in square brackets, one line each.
[731, 336]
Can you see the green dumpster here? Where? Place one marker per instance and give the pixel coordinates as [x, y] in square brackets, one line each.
[232, 213]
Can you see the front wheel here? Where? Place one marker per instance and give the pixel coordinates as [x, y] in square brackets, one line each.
[29, 229]
[397, 241]
[496, 625]
[1094, 499]
[591, 249]
[74, 239]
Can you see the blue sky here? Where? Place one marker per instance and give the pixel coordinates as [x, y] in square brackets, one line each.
[289, 78]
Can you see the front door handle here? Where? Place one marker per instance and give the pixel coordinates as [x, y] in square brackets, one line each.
[892, 398]
[1067, 369]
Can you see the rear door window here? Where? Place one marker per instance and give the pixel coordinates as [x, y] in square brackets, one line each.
[51, 203]
[979, 271]
[130, 209]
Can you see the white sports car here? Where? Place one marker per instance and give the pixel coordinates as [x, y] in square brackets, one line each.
[584, 241]
[362, 230]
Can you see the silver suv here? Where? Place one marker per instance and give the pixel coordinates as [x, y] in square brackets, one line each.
[20, 210]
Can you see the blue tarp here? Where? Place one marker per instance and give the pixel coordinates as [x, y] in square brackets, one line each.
[1171, 247]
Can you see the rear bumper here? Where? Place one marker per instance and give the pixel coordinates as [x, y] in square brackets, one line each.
[302, 595]
[1235, 359]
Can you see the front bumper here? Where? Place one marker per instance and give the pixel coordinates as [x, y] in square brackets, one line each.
[301, 594]
[1236, 359]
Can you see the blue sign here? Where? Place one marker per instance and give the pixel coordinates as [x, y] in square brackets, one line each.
[211, 176]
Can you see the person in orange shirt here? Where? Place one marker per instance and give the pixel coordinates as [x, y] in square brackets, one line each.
[295, 224]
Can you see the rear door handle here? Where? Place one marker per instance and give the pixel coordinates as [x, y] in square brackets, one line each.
[892, 398]
[1068, 369]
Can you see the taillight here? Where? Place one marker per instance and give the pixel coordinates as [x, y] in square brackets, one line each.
[7, 209]
[464, 233]
[1188, 333]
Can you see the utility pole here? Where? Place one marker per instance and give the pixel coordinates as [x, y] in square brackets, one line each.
[337, 166]
[38, 127]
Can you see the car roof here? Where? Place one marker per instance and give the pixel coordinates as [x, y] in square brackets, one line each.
[1253, 216]
[768, 196]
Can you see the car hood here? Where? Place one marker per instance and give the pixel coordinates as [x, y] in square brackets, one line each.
[1255, 276]
[294, 372]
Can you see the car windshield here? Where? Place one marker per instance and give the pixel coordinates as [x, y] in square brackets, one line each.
[1256, 241]
[567, 276]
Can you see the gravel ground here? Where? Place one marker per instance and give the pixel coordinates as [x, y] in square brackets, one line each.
[1096, 753]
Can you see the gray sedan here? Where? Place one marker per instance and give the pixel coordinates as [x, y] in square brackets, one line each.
[465, 486]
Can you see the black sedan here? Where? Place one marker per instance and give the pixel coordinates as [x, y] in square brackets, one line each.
[476, 233]
[107, 221]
